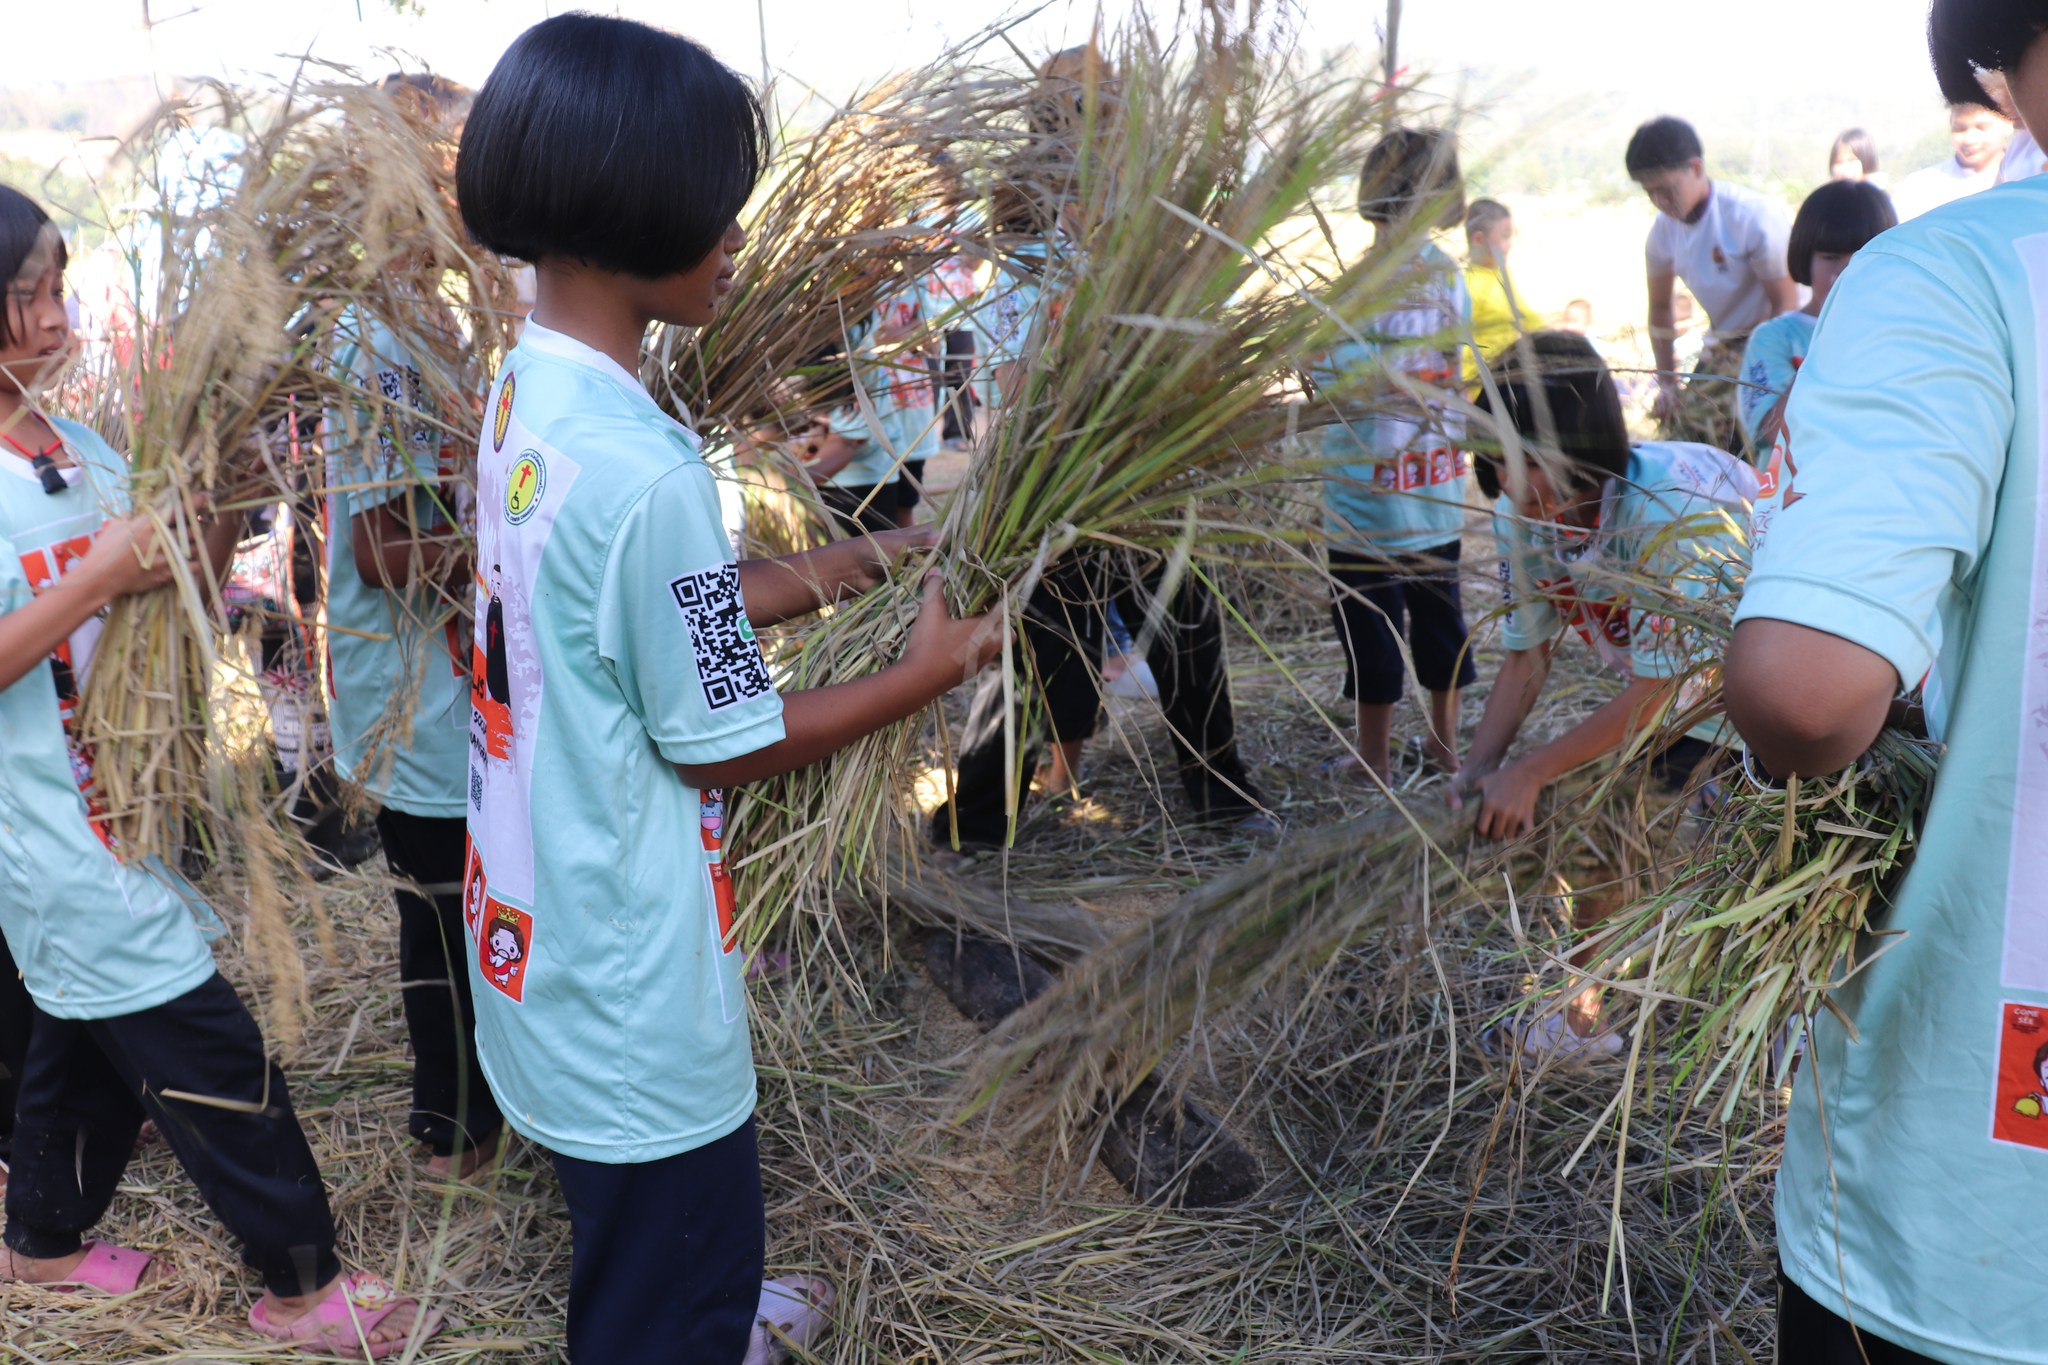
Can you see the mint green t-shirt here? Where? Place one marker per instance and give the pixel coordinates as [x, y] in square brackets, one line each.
[611, 644]
[1394, 467]
[1770, 361]
[93, 936]
[1904, 511]
[1681, 517]
[392, 645]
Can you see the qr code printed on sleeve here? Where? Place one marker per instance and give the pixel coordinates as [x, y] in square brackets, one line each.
[404, 391]
[729, 660]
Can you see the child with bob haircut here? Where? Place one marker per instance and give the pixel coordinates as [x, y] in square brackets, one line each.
[130, 1020]
[1393, 471]
[1836, 221]
[1902, 543]
[1567, 523]
[618, 689]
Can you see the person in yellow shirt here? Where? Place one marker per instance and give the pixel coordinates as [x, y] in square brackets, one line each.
[1498, 313]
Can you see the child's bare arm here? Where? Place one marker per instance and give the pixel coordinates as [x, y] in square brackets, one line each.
[1805, 701]
[941, 653]
[781, 589]
[125, 558]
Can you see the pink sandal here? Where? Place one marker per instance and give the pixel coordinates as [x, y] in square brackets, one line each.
[341, 1323]
[796, 1311]
[107, 1269]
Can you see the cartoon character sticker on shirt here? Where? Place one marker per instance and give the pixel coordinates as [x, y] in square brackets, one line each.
[506, 949]
[474, 888]
[2020, 1103]
[713, 829]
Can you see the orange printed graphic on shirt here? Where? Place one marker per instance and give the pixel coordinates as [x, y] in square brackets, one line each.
[2019, 1106]
[1595, 619]
[493, 716]
[43, 566]
[713, 829]
[1420, 469]
[504, 952]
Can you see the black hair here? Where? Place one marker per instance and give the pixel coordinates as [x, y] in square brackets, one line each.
[24, 226]
[623, 146]
[1965, 37]
[1483, 214]
[1858, 144]
[1839, 218]
[1662, 144]
[1579, 406]
[1407, 168]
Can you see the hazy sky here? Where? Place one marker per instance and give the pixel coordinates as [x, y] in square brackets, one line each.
[1747, 52]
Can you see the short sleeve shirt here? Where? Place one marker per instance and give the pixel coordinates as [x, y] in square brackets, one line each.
[1773, 356]
[611, 644]
[393, 644]
[93, 936]
[1499, 315]
[1018, 304]
[1726, 257]
[1904, 511]
[1681, 517]
[1393, 466]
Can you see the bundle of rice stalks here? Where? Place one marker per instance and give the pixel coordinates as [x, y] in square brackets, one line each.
[846, 213]
[334, 203]
[1116, 1014]
[1778, 906]
[1155, 395]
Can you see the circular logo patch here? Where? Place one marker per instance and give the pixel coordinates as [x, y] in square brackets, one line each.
[504, 415]
[524, 484]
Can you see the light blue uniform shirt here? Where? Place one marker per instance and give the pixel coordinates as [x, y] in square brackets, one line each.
[94, 937]
[898, 386]
[392, 645]
[1906, 514]
[1773, 356]
[1681, 517]
[1394, 473]
[611, 645]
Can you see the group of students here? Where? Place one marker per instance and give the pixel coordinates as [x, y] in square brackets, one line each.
[567, 943]
[1887, 537]
[552, 801]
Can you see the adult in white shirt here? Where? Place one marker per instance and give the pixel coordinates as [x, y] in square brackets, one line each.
[1727, 244]
[1981, 136]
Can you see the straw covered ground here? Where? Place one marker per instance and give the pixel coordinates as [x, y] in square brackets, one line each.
[1425, 1198]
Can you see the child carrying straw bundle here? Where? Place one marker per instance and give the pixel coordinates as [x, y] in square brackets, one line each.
[1902, 539]
[618, 689]
[396, 558]
[130, 1019]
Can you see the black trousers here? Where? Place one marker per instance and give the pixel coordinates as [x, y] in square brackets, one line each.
[1064, 631]
[667, 1259]
[1392, 596]
[452, 1105]
[88, 1085]
[955, 383]
[1809, 1334]
[851, 518]
[17, 1017]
